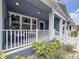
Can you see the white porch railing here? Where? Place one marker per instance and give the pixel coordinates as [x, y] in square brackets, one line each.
[56, 33]
[64, 39]
[19, 38]
[43, 34]
[71, 41]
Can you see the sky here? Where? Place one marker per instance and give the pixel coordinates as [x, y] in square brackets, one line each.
[73, 9]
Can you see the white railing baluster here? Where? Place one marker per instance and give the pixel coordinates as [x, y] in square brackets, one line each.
[6, 39]
[11, 38]
[18, 37]
[26, 37]
[14, 38]
[21, 37]
[32, 36]
[29, 36]
[35, 35]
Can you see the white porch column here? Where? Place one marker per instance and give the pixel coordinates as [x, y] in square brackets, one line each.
[1, 26]
[61, 26]
[51, 25]
[37, 30]
[65, 28]
[68, 28]
[37, 35]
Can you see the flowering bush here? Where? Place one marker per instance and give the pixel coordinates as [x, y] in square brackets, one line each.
[18, 57]
[48, 51]
[55, 44]
[3, 55]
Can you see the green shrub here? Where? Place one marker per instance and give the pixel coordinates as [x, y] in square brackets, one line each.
[55, 44]
[39, 48]
[68, 48]
[58, 55]
[18, 57]
[73, 34]
[47, 51]
[3, 55]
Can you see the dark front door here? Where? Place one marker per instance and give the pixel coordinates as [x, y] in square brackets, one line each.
[41, 26]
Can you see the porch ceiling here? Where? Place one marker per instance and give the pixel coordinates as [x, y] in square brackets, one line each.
[29, 7]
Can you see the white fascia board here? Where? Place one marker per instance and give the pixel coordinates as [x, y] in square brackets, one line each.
[48, 3]
[65, 16]
[59, 14]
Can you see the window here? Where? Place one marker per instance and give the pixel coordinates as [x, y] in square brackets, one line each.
[18, 21]
[25, 23]
[15, 18]
[33, 23]
[25, 20]
[15, 23]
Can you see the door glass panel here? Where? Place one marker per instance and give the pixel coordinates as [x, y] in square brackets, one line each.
[25, 20]
[25, 23]
[26, 26]
[33, 23]
[15, 23]
[33, 26]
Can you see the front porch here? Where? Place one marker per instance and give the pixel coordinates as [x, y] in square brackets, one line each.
[24, 23]
[24, 30]
[28, 22]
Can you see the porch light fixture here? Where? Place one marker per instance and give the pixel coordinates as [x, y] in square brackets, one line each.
[39, 12]
[17, 3]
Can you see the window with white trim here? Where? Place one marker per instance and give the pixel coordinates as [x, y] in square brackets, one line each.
[18, 21]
